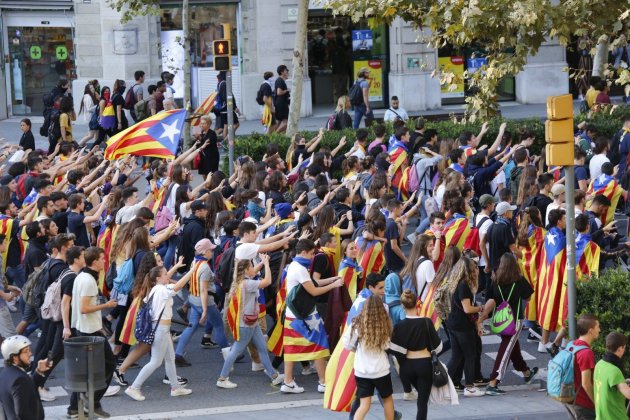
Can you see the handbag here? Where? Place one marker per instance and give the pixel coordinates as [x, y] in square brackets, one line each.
[440, 375]
[163, 217]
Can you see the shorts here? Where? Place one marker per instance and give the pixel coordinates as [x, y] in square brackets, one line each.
[222, 119]
[366, 386]
[282, 112]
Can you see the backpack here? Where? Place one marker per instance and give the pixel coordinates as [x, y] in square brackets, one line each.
[613, 151]
[51, 308]
[503, 321]
[332, 120]
[473, 239]
[21, 192]
[54, 127]
[35, 287]
[409, 282]
[225, 273]
[356, 94]
[560, 379]
[442, 300]
[124, 278]
[260, 97]
[130, 98]
[110, 276]
[301, 302]
[141, 109]
[217, 255]
[145, 332]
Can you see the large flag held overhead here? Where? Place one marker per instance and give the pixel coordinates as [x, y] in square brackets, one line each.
[530, 263]
[456, 231]
[204, 108]
[607, 186]
[551, 286]
[156, 136]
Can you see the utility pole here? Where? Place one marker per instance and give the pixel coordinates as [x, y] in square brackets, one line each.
[298, 68]
[230, 120]
[187, 85]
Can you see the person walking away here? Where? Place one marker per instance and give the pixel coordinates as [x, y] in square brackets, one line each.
[18, 389]
[137, 93]
[161, 300]
[89, 107]
[510, 287]
[611, 388]
[369, 339]
[66, 116]
[342, 118]
[362, 102]
[118, 100]
[413, 340]
[282, 98]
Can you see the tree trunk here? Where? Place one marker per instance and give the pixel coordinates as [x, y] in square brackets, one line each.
[298, 68]
[187, 86]
[600, 61]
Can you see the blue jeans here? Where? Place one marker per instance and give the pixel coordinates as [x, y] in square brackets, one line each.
[359, 113]
[618, 53]
[16, 275]
[169, 257]
[248, 334]
[194, 315]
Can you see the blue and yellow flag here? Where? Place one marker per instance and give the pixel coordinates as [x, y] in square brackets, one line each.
[551, 282]
[156, 136]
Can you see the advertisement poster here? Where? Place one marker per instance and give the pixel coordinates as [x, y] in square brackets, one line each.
[474, 64]
[453, 65]
[376, 77]
[362, 40]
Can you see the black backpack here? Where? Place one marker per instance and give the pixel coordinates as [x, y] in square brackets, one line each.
[225, 272]
[54, 127]
[260, 97]
[356, 94]
[613, 152]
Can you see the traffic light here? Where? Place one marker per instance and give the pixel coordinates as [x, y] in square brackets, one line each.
[221, 55]
[559, 131]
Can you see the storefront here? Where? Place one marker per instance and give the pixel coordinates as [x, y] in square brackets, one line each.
[38, 50]
[209, 20]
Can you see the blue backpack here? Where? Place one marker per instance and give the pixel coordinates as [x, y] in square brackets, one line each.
[560, 371]
[124, 278]
[145, 332]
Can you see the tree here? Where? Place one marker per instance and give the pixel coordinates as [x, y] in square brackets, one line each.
[508, 30]
[298, 68]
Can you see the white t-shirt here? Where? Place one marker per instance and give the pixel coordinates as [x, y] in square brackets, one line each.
[494, 184]
[85, 285]
[171, 200]
[595, 165]
[360, 153]
[425, 273]
[184, 212]
[550, 207]
[483, 231]
[439, 195]
[368, 363]
[162, 300]
[128, 213]
[390, 114]
[296, 274]
[246, 251]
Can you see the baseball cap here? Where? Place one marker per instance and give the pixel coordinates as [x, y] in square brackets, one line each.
[198, 205]
[503, 207]
[204, 245]
[557, 189]
[485, 200]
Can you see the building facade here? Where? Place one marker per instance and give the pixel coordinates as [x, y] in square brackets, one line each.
[81, 40]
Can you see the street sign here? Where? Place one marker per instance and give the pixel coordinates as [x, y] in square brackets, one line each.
[61, 52]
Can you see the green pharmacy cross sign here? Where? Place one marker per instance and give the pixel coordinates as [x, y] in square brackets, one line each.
[36, 52]
[61, 52]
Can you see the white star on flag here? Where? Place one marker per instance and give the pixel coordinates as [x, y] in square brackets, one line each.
[170, 131]
[551, 238]
[313, 323]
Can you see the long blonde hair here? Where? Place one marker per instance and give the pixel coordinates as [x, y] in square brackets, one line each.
[465, 270]
[239, 274]
[341, 103]
[373, 325]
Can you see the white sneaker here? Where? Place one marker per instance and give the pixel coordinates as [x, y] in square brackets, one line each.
[225, 351]
[321, 387]
[291, 388]
[309, 370]
[278, 379]
[473, 391]
[542, 348]
[257, 367]
[226, 384]
[134, 393]
[181, 391]
[410, 396]
[46, 395]
[112, 390]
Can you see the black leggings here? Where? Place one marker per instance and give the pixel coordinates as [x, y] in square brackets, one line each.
[463, 352]
[419, 372]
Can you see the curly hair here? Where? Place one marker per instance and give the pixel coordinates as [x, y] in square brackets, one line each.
[373, 325]
[465, 270]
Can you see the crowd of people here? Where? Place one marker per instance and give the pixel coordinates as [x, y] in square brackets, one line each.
[406, 245]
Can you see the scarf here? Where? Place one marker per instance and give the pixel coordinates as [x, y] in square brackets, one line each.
[349, 262]
[304, 262]
[613, 359]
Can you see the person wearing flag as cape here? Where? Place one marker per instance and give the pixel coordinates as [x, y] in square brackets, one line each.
[398, 154]
[305, 339]
[607, 185]
[371, 255]
[457, 228]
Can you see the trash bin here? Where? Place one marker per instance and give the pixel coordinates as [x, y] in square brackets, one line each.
[77, 355]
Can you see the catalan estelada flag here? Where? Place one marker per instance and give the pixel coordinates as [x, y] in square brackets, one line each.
[350, 271]
[6, 226]
[552, 277]
[156, 136]
[305, 339]
[607, 186]
[104, 240]
[275, 342]
[398, 158]
[530, 264]
[234, 312]
[455, 231]
[128, 333]
[204, 108]
[371, 258]
[587, 255]
[267, 117]
[426, 309]
[340, 383]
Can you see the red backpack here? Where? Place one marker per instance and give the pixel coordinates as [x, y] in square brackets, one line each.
[473, 239]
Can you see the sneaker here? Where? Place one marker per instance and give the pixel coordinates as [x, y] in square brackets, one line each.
[226, 384]
[481, 382]
[552, 349]
[46, 395]
[533, 336]
[397, 415]
[542, 348]
[183, 314]
[410, 396]
[291, 388]
[207, 343]
[120, 378]
[257, 367]
[180, 381]
[175, 336]
[278, 379]
[460, 388]
[134, 394]
[494, 390]
[112, 390]
[72, 414]
[321, 387]
[532, 372]
[99, 412]
[473, 391]
[309, 370]
[181, 362]
[180, 391]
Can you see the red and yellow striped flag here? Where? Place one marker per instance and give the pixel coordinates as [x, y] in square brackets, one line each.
[456, 231]
[234, 313]
[350, 271]
[552, 281]
[398, 158]
[371, 258]
[275, 342]
[6, 226]
[587, 254]
[607, 186]
[426, 309]
[530, 263]
[205, 108]
[104, 240]
[128, 333]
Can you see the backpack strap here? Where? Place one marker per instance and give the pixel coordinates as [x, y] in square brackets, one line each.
[482, 221]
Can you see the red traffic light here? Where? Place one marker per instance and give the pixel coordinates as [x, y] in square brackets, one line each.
[221, 47]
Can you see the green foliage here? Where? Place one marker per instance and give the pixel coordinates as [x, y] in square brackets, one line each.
[606, 123]
[608, 297]
[133, 8]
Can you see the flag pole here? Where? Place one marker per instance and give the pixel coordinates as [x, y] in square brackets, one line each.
[571, 287]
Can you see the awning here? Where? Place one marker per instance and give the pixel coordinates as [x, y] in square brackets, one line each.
[36, 4]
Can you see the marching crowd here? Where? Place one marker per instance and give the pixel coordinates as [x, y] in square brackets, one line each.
[303, 258]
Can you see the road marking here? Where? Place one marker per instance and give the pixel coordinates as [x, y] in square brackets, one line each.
[490, 339]
[526, 356]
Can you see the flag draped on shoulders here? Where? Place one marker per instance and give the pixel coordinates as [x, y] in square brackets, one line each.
[6, 226]
[530, 264]
[607, 186]
[234, 312]
[587, 255]
[552, 288]
[426, 309]
[350, 271]
[104, 240]
[455, 231]
[371, 258]
[340, 383]
[156, 136]
[275, 342]
[205, 108]
[398, 153]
